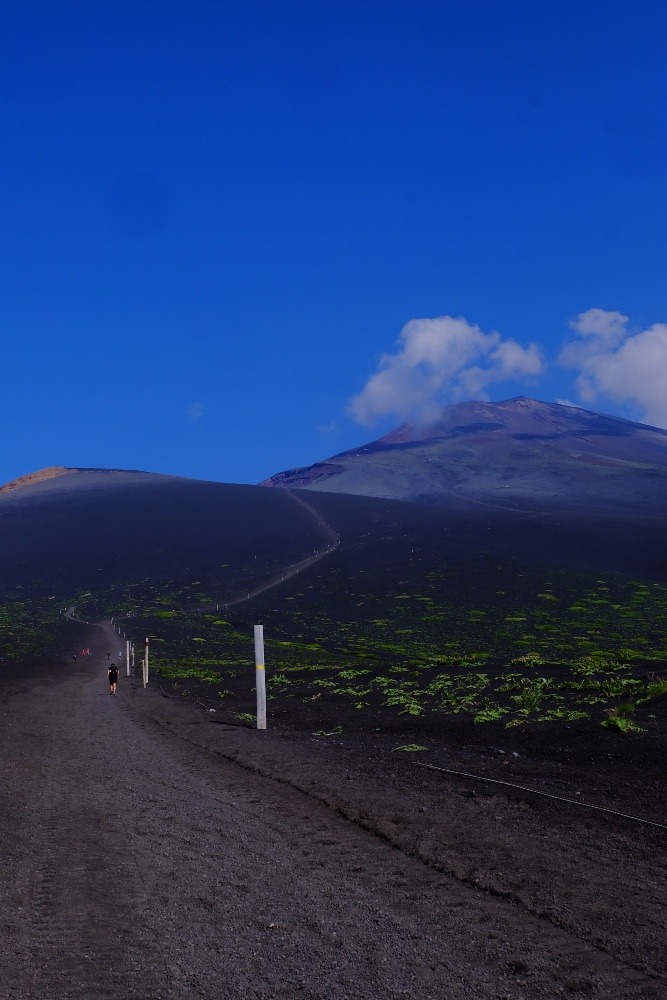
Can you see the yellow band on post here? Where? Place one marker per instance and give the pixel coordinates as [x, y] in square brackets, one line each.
[259, 666]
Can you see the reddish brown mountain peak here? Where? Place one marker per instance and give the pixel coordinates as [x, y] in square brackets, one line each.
[36, 477]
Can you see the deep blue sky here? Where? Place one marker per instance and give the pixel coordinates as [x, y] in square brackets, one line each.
[217, 217]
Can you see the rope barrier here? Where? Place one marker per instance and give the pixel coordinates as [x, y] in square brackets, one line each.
[547, 795]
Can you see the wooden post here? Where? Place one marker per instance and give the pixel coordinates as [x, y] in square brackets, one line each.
[260, 679]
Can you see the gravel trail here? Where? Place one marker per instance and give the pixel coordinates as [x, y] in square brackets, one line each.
[140, 863]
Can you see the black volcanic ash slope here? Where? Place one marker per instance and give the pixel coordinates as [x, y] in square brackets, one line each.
[90, 529]
[100, 529]
[519, 452]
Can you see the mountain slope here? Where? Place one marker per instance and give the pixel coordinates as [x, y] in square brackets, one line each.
[89, 528]
[97, 529]
[330, 570]
[517, 452]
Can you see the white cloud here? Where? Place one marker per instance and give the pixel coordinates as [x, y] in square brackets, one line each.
[439, 360]
[607, 326]
[628, 368]
[195, 411]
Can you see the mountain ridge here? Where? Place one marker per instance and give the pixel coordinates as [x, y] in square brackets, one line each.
[520, 449]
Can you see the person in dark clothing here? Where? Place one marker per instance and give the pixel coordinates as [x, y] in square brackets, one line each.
[113, 678]
[108, 653]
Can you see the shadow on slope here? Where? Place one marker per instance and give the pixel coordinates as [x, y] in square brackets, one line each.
[95, 528]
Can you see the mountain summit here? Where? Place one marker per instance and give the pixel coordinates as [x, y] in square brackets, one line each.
[520, 451]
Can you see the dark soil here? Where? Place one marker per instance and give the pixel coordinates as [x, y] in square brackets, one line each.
[152, 850]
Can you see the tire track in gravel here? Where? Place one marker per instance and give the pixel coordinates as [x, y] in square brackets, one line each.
[79, 893]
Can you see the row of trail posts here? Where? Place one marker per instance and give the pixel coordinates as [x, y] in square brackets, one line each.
[129, 654]
[260, 673]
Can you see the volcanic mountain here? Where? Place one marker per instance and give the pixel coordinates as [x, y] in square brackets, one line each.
[517, 453]
[520, 480]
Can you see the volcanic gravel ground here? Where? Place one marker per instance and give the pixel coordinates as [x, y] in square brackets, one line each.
[150, 852]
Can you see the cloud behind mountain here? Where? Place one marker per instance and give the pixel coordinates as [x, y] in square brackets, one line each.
[616, 364]
[440, 359]
[446, 359]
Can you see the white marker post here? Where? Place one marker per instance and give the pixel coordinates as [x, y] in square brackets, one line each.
[145, 661]
[127, 657]
[260, 679]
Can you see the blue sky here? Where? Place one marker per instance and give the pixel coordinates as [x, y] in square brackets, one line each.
[240, 237]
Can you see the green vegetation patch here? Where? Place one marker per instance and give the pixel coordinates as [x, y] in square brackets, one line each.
[501, 646]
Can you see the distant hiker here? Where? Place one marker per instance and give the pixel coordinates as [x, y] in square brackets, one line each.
[108, 653]
[113, 678]
[120, 654]
[74, 657]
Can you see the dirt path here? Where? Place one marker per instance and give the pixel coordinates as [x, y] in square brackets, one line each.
[330, 542]
[145, 854]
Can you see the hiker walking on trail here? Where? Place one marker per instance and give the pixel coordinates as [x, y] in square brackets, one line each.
[113, 678]
[108, 653]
